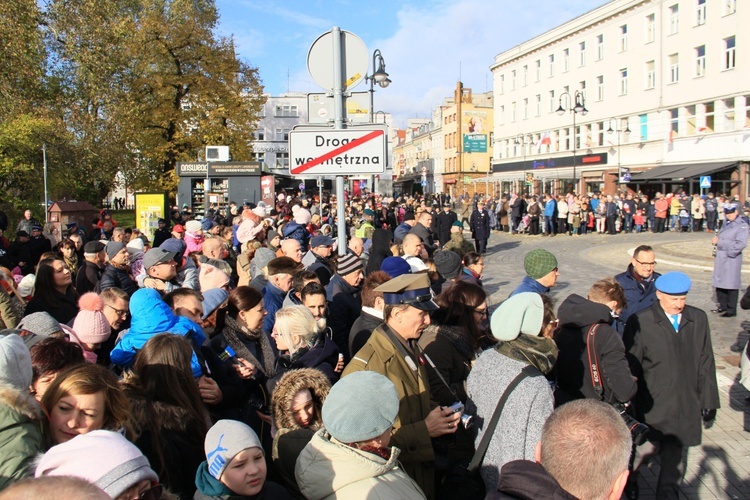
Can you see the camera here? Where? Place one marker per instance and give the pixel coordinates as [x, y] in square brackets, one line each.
[638, 430]
[466, 420]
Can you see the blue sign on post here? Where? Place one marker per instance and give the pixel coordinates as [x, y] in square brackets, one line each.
[705, 181]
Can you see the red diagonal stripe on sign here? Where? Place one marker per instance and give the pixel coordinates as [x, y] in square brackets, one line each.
[343, 149]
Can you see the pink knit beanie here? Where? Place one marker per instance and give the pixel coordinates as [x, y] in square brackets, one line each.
[302, 216]
[211, 277]
[90, 325]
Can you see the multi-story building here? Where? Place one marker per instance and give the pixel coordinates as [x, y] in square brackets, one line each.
[645, 94]
[271, 142]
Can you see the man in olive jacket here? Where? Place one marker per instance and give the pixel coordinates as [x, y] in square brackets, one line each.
[392, 351]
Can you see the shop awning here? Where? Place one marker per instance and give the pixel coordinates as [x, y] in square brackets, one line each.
[680, 172]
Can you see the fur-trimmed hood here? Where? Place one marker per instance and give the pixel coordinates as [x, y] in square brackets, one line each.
[290, 383]
[21, 402]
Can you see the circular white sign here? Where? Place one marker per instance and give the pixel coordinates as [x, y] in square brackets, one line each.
[355, 60]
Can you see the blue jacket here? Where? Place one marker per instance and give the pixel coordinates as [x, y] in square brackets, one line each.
[400, 232]
[151, 316]
[273, 300]
[529, 284]
[549, 208]
[639, 295]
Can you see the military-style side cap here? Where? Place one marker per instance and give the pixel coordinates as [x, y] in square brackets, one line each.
[673, 283]
[409, 289]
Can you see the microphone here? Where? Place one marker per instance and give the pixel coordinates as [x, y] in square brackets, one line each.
[224, 351]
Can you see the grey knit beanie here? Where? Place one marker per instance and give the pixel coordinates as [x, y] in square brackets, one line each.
[224, 440]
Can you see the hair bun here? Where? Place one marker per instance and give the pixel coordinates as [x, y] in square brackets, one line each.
[90, 302]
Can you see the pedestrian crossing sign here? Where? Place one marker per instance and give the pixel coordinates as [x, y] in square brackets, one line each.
[705, 181]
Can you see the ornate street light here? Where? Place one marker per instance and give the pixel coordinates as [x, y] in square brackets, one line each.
[578, 107]
[379, 76]
[618, 129]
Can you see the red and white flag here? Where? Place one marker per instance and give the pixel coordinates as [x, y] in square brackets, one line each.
[543, 139]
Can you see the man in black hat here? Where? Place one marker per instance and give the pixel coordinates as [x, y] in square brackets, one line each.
[38, 244]
[392, 351]
[162, 234]
[20, 254]
[117, 272]
[90, 273]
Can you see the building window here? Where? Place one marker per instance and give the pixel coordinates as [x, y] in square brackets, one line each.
[624, 81]
[260, 157]
[501, 115]
[644, 127]
[513, 80]
[582, 47]
[566, 60]
[674, 68]
[551, 65]
[599, 47]
[690, 120]
[582, 88]
[674, 123]
[709, 116]
[730, 7]
[260, 135]
[501, 85]
[513, 111]
[600, 88]
[286, 111]
[538, 68]
[729, 55]
[538, 104]
[727, 123]
[552, 107]
[700, 13]
[650, 75]
[650, 28]
[525, 74]
[674, 19]
[282, 160]
[525, 108]
[700, 61]
[623, 38]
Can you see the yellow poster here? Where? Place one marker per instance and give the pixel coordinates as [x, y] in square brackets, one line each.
[149, 208]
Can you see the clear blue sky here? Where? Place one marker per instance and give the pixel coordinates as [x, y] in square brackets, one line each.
[427, 45]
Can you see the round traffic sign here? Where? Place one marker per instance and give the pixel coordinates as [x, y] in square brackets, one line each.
[355, 61]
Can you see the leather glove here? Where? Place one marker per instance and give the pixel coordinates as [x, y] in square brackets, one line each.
[709, 417]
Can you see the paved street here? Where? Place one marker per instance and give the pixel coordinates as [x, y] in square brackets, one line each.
[720, 468]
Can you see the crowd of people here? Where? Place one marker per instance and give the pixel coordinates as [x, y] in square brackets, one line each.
[244, 355]
[628, 212]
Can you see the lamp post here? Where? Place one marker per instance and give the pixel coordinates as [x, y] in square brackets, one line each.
[618, 130]
[378, 76]
[522, 142]
[579, 106]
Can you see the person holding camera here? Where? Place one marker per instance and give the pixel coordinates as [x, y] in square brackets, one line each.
[669, 350]
[587, 336]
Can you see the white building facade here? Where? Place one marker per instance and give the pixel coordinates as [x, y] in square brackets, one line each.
[662, 97]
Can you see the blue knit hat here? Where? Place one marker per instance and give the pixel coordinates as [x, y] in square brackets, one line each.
[395, 266]
[360, 407]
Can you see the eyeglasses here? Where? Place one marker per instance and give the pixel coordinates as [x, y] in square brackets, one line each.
[481, 312]
[153, 493]
[119, 312]
[645, 263]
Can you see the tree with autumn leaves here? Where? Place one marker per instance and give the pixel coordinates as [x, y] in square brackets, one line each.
[125, 85]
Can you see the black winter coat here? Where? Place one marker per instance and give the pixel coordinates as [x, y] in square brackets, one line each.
[676, 371]
[361, 330]
[117, 278]
[444, 222]
[344, 306]
[480, 225]
[88, 277]
[576, 316]
[527, 480]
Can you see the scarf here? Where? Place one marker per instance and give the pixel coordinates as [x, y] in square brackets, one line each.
[72, 264]
[457, 336]
[384, 453]
[539, 352]
[232, 332]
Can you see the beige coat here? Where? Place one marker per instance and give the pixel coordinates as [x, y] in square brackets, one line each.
[328, 469]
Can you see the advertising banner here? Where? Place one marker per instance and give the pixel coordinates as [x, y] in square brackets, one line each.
[149, 208]
[474, 130]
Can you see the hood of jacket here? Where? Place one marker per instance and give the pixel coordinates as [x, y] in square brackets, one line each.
[19, 402]
[525, 479]
[326, 466]
[577, 312]
[150, 314]
[290, 384]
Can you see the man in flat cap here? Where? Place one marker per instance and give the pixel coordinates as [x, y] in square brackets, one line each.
[280, 272]
[392, 351]
[90, 272]
[670, 353]
[730, 241]
[117, 273]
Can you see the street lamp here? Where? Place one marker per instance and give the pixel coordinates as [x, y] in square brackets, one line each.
[379, 76]
[579, 106]
[618, 130]
[522, 142]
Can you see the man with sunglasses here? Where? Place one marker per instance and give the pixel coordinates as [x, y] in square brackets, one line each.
[638, 284]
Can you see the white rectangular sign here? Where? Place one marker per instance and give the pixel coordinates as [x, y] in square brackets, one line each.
[326, 151]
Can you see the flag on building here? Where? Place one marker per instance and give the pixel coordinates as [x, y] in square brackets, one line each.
[543, 139]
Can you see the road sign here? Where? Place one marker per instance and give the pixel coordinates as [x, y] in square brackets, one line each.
[424, 183]
[705, 181]
[355, 61]
[326, 151]
[356, 106]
